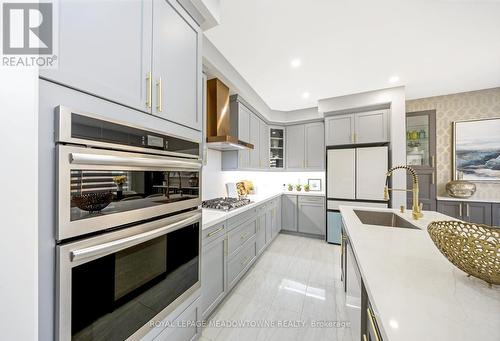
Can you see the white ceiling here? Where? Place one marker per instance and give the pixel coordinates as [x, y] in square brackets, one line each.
[349, 46]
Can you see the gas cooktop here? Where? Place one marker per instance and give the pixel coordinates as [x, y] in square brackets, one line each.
[225, 204]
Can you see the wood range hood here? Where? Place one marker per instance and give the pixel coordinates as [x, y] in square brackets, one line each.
[222, 129]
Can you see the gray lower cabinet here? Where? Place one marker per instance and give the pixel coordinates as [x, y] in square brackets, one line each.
[473, 212]
[495, 215]
[311, 215]
[240, 261]
[261, 233]
[477, 212]
[289, 212]
[450, 208]
[269, 224]
[213, 270]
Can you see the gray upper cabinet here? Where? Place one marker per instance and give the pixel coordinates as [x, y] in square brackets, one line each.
[176, 70]
[315, 146]
[370, 127]
[305, 146]
[213, 275]
[365, 127]
[264, 145]
[244, 133]
[255, 140]
[295, 147]
[339, 130]
[105, 49]
[311, 215]
[289, 212]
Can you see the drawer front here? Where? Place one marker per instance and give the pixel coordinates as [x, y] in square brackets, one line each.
[238, 236]
[311, 199]
[212, 233]
[185, 327]
[235, 221]
[240, 262]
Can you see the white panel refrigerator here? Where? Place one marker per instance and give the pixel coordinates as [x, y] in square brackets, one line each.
[355, 176]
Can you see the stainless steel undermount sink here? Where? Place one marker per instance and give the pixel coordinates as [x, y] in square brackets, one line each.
[384, 219]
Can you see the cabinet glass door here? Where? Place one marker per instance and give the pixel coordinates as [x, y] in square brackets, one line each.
[276, 145]
[417, 140]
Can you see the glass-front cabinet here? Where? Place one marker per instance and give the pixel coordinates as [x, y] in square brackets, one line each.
[420, 139]
[277, 148]
[421, 155]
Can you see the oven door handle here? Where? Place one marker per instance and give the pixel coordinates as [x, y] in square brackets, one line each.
[114, 160]
[120, 244]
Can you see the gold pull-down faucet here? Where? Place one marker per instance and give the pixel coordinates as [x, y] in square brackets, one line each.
[416, 207]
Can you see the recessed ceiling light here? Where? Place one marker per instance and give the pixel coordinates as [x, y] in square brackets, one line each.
[306, 95]
[295, 62]
[394, 79]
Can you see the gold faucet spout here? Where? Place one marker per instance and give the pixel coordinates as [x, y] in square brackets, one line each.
[416, 206]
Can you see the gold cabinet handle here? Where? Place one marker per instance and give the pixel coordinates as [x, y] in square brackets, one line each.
[372, 323]
[354, 138]
[364, 337]
[215, 232]
[432, 161]
[225, 246]
[467, 210]
[158, 95]
[460, 209]
[433, 179]
[149, 86]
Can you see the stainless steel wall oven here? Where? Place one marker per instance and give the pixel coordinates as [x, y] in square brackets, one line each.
[128, 228]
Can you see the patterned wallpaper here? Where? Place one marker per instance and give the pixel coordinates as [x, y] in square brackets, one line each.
[456, 107]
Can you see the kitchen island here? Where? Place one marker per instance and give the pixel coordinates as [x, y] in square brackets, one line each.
[414, 291]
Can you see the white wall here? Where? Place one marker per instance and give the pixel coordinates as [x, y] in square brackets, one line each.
[214, 179]
[396, 98]
[18, 204]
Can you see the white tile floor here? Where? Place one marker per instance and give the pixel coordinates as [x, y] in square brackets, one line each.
[295, 279]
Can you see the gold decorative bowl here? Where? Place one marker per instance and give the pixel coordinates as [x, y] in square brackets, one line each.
[472, 248]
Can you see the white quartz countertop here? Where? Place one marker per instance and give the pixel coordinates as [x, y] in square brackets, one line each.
[415, 292]
[471, 199]
[211, 217]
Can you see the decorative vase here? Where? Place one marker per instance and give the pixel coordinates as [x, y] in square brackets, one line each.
[460, 188]
[119, 191]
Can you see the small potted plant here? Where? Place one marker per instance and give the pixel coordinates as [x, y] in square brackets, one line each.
[290, 187]
[306, 188]
[298, 187]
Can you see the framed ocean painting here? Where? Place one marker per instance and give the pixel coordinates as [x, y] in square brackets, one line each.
[476, 150]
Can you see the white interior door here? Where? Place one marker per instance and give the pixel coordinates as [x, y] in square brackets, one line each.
[341, 173]
[371, 169]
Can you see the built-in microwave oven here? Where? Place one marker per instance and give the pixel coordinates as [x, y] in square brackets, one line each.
[111, 174]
